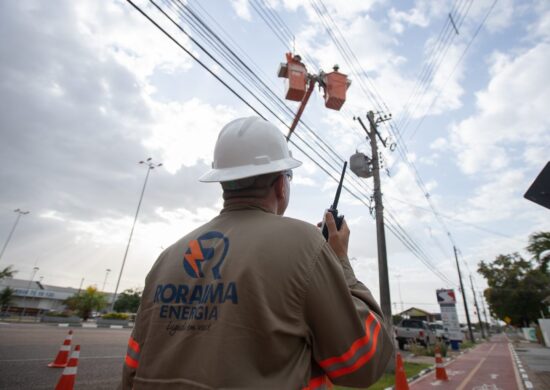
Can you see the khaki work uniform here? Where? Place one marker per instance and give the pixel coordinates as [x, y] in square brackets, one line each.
[252, 300]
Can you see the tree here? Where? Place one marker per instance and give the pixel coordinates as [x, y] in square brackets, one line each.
[84, 303]
[6, 296]
[128, 301]
[539, 247]
[7, 272]
[517, 288]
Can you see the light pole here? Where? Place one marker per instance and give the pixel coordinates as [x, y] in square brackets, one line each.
[34, 271]
[19, 214]
[150, 166]
[105, 281]
[398, 277]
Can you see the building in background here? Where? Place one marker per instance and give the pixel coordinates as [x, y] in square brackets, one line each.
[35, 298]
[419, 314]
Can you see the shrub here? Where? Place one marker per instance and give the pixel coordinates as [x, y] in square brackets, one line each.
[115, 316]
[419, 350]
[58, 314]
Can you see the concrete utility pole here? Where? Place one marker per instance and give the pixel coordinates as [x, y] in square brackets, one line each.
[485, 314]
[383, 277]
[150, 166]
[464, 298]
[477, 308]
[19, 214]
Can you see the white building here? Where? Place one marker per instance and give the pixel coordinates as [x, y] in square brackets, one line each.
[36, 298]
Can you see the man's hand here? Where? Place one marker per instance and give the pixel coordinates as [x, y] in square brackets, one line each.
[337, 239]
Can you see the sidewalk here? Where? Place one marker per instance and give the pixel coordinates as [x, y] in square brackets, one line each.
[535, 361]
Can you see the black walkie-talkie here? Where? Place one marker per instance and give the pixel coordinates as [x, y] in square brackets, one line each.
[333, 208]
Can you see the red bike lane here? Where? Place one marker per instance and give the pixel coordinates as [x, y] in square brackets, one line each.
[487, 367]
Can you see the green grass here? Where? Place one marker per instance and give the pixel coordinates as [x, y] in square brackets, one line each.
[388, 380]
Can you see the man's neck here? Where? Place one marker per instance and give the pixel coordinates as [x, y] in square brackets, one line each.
[244, 202]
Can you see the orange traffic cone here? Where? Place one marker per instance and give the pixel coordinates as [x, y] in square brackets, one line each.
[440, 372]
[66, 382]
[400, 377]
[63, 354]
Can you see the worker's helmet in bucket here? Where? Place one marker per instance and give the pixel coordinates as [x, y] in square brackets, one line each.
[249, 147]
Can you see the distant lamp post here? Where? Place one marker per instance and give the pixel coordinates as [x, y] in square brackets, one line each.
[19, 214]
[105, 281]
[150, 166]
[34, 271]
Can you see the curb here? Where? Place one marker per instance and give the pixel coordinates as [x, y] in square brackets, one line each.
[520, 370]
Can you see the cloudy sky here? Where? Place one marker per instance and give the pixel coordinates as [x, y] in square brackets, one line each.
[88, 89]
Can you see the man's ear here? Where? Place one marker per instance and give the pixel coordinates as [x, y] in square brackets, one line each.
[280, 187]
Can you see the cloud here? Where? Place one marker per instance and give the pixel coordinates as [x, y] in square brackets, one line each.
[398, 19]
[242, 9]
[506, 122]
[177, 124]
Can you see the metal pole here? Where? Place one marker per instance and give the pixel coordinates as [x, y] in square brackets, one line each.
[105, 281]
[80, 287]
[398, 277]
[477, 308]
[464, 298]
[150, 166]
[34, 270]
[19, 214]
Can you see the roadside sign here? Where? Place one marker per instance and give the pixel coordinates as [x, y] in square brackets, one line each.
[449, 316]
[446, 296]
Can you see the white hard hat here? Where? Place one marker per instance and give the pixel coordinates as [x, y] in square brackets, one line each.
[249, 147]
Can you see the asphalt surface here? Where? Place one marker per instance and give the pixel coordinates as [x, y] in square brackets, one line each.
[26, 350]
[487, 367]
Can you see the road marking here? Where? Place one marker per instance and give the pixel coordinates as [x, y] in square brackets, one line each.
[469, 377]
[516, 373]
[494, 376]
[528, 384]
[436, 383]
[47, 359]
[487, 387]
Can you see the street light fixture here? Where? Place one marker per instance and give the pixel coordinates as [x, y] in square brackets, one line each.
[19, 214]
[105, 281]
[150, 166]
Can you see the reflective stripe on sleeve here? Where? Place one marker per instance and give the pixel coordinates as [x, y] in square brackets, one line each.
[133, 344]
[360, 352]
[132, 354]
[131, 362]
[319, 383]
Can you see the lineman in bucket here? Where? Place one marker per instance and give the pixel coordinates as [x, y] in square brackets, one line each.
[252, 299]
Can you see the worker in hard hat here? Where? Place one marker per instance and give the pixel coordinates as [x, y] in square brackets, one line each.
[252, 299]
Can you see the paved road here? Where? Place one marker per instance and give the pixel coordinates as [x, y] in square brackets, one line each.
[25, 351]
[487, 367]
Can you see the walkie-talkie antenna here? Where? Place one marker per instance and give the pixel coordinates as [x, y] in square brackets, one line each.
[337, 197]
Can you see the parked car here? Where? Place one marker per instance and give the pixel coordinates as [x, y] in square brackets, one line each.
[414, 331]
[441, 333]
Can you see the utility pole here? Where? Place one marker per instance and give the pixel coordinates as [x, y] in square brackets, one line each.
[19, 214]
[485, 315]
[464, 298]
[383, 277]
[477, 308]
